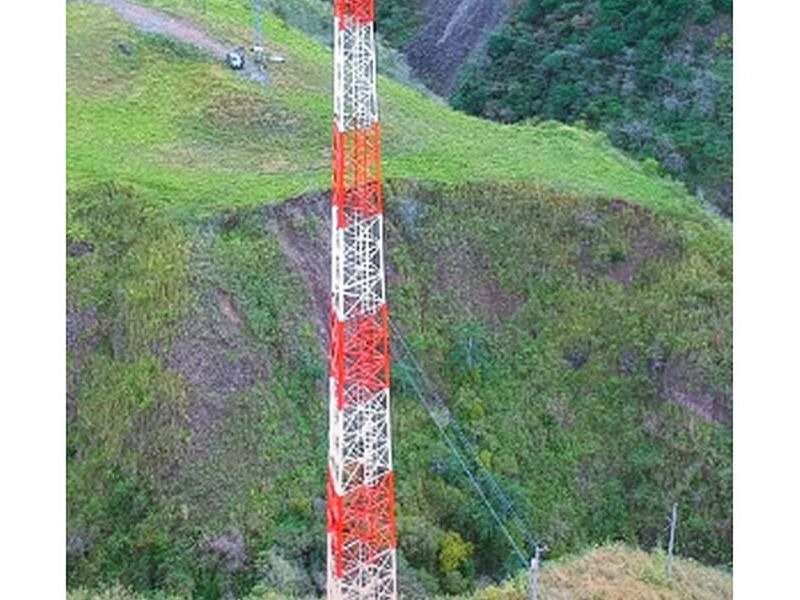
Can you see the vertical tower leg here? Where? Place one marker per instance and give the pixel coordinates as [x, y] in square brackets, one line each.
[361, 525]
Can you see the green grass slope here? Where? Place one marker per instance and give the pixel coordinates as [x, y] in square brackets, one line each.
[188, 129]
[574, 310]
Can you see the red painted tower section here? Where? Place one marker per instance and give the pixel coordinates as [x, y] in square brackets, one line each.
[361, 523]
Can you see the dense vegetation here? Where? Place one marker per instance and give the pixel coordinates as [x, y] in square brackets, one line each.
[612, 572]
[398, 20]
[655, 75]
[565, 300]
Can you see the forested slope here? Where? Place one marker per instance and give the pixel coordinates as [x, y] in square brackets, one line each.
[655, 75]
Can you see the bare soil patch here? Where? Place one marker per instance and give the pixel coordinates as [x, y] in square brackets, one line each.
[683, 383]
[83, 335]
[466, 273]
[640, 241]
[155, 21]
[302, 226]
[216, 361]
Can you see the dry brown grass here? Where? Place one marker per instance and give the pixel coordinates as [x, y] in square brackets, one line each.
[618, 572]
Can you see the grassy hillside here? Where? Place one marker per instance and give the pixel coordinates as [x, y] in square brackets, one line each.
[573, 308]
[188, 129]
[611, 573]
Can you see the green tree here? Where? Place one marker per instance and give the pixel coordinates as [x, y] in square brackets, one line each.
[454, 552]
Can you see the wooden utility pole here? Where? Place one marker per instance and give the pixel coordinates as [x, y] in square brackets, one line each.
[673, 522]
[534, 586]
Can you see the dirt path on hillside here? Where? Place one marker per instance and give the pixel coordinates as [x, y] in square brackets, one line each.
[155, 21]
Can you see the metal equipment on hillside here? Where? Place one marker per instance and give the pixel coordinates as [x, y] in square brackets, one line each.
[259, 53]
[235, 59]
[361, 523]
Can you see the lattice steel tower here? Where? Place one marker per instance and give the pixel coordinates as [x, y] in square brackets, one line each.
[361, 525]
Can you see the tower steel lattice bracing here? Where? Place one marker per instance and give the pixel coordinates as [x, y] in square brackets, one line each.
[361, 525]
